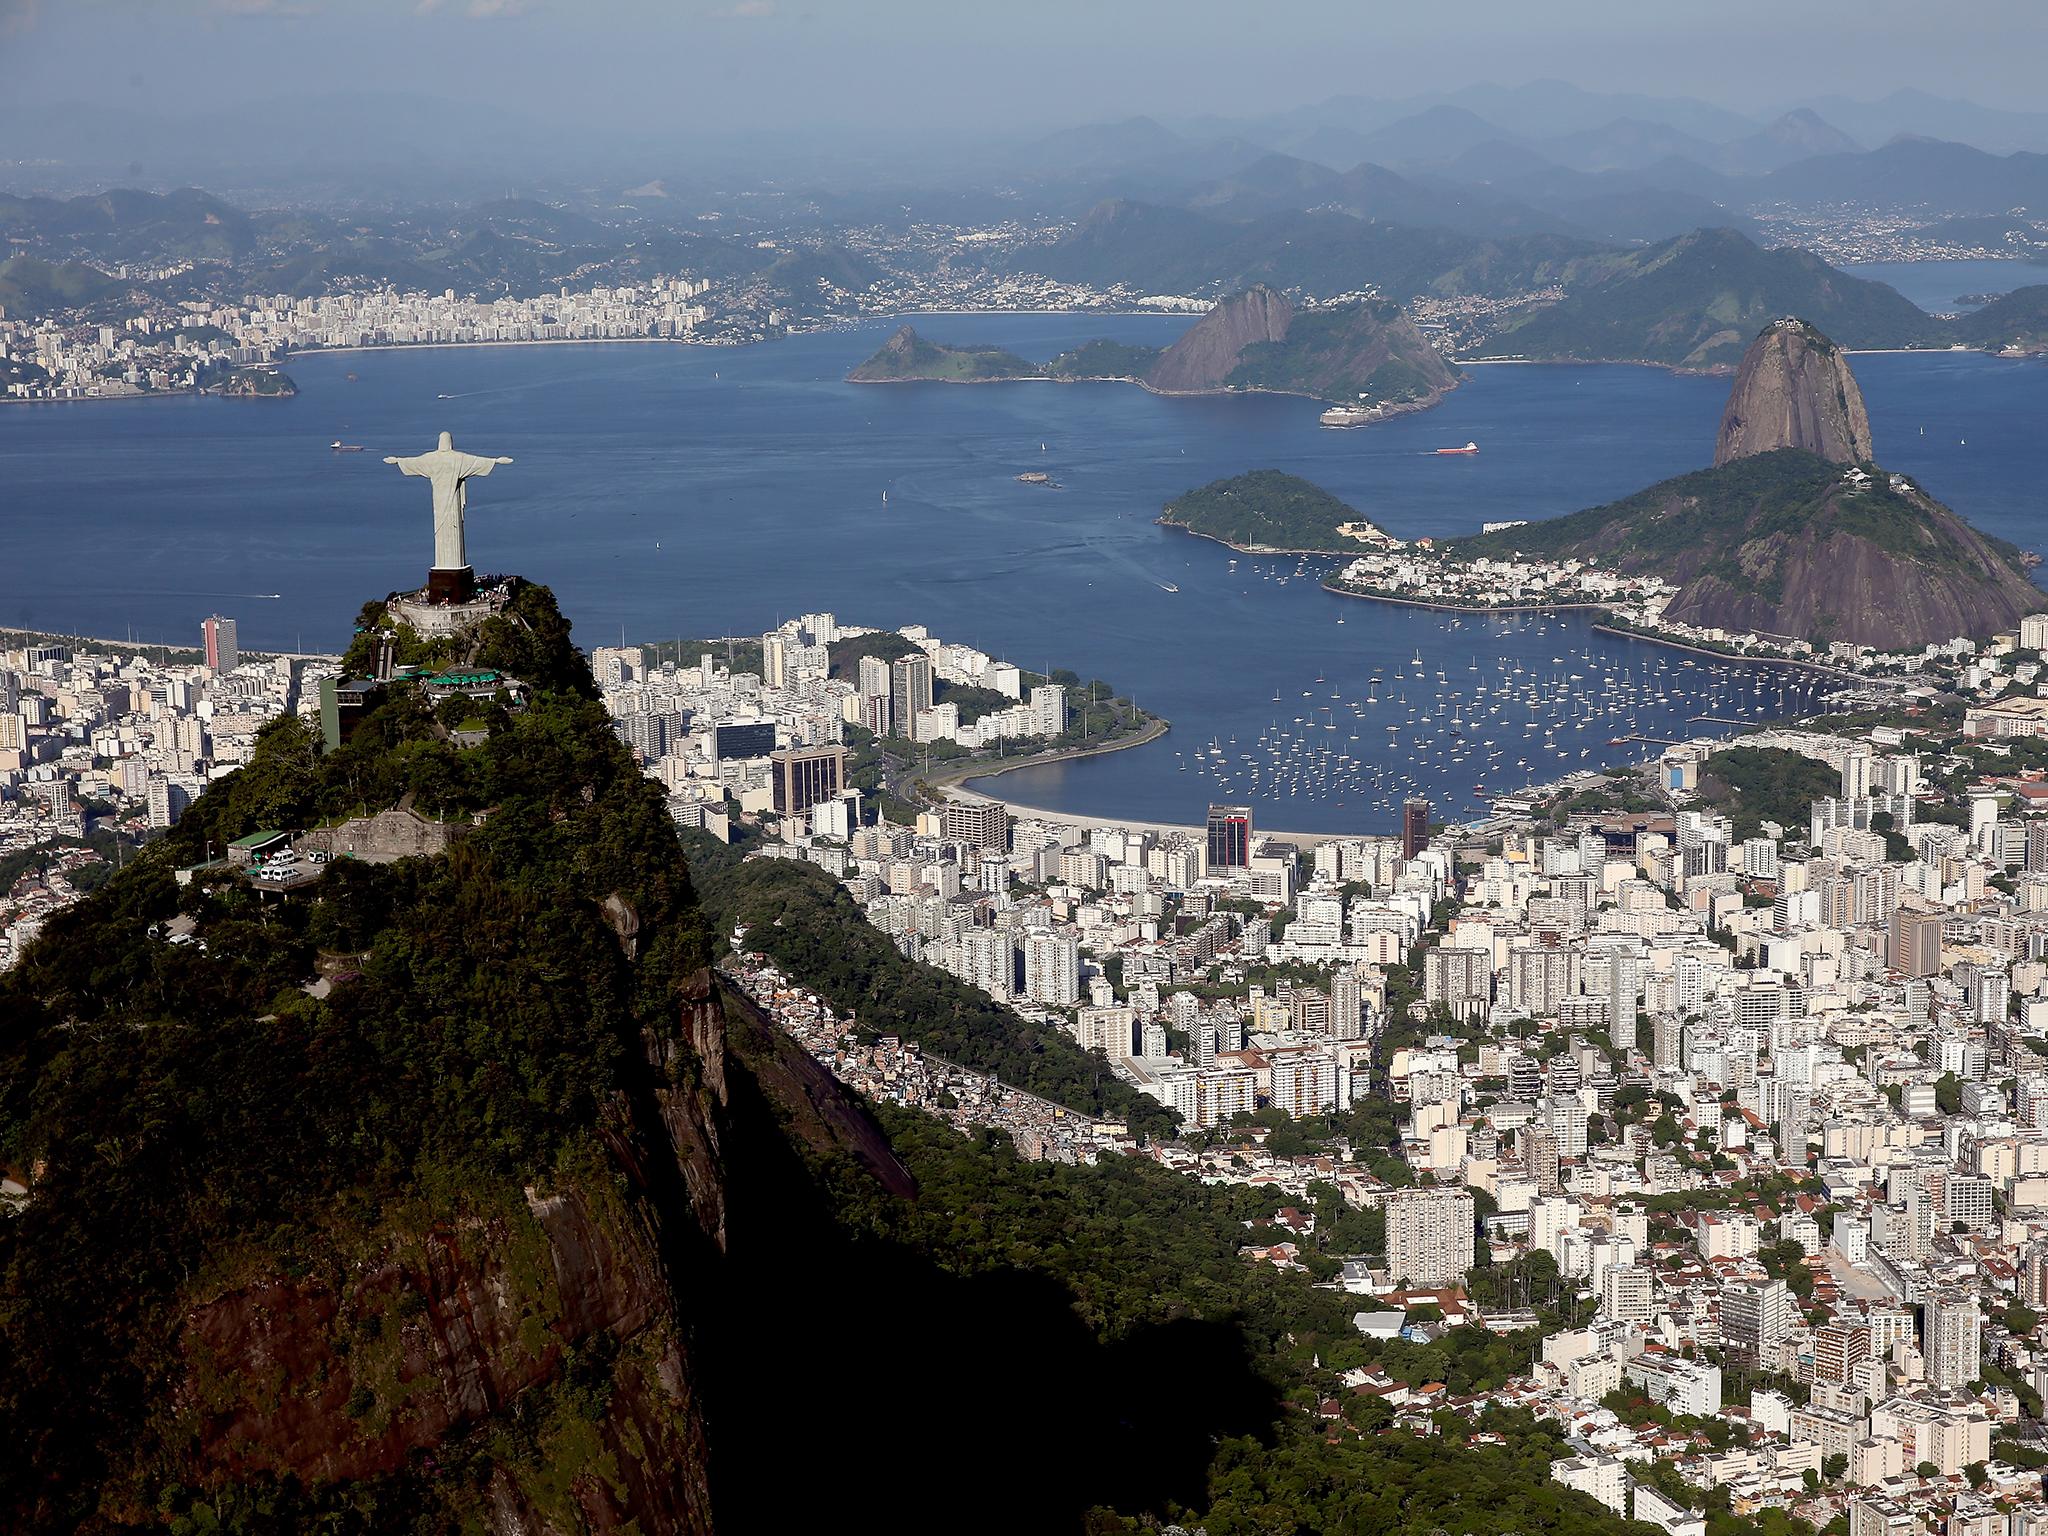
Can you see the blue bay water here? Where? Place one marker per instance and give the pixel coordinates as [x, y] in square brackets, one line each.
[665, 491]
[1936, 285]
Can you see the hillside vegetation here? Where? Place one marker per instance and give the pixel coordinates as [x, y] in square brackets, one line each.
[1782, 543]
[907, 356]
[1696, 302]
[1265, 509]
[2017, 319]
[1347, 352]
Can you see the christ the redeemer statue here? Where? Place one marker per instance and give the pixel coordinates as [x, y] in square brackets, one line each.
[446, 470]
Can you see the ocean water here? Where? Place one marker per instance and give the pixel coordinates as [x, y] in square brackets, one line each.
[665, 490]
[1936, 285]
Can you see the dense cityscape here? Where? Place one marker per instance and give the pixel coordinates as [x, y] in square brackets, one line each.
[1274, 774]
[1768, 1097]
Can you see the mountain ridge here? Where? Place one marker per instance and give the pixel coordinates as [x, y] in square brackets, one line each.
[1697, 301]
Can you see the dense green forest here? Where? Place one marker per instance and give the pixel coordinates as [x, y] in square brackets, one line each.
[907, 355]
[1742, 522]
[1752, 785]
[1265, 509]
[194, 1110]
[1104, 359]
[1651, 529]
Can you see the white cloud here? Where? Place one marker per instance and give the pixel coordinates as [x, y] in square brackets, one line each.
[488, 10]
[747, 10]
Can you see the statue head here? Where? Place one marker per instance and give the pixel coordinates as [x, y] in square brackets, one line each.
[447, 441]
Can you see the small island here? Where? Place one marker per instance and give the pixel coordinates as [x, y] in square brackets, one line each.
[1363, 356]
[908, 358]
[1268, 512]
[238, 381]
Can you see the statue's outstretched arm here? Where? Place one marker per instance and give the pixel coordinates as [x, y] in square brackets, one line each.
[406, 466]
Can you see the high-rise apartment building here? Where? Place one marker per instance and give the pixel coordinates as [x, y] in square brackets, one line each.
[1951, 1339]
[1429, 1236]
[1414, 827]
[1230, 837]
[1856, 774]
[1052, 968]
[803, 776]
[1755, 1317]
[1915, 948]
[1460, 980]
[1048, 710]
[910, 689]
[1839, 1347]
[1628, 1293]
[983, 824]
[222, 654]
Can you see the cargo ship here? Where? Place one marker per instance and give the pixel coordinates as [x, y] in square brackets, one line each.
[1468, 448]
[340, 447]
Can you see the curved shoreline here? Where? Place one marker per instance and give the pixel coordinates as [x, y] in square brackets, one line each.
[1418, 602]
[953, 777]
[1191, 829]
[1733, 658]
[1252, 549]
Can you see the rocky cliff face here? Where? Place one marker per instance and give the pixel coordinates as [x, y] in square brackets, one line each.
[443, 1328]
[1794, 390]
[1831, 575]
[1203, 358]
[475, 1236]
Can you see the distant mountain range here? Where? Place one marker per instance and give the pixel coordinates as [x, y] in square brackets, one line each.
[1160, 249]
[1530, 146]
[516, 246]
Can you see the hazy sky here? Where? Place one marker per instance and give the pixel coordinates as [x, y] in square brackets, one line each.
[750, 65]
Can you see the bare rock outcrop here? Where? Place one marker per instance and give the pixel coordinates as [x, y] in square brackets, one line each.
[1203, 358]
[1794, 390]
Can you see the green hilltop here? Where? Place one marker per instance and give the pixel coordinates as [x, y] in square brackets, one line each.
[1266, 509]
[1696, 302]
[2017, 319]
[907, 356]
[1788, 543]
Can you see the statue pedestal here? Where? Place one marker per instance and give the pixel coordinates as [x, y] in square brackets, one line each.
[432, 612]
[450, 586]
